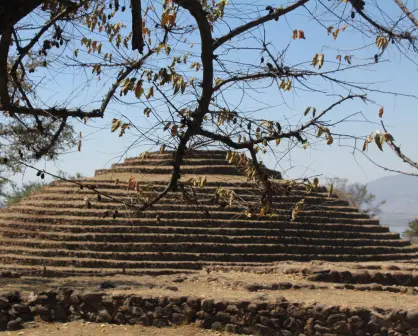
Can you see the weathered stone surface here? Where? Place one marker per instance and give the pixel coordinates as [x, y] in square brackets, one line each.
[230, 328]
[217, 326]
[333, 318]
[223, 317]
[104, 316]
[4, 303]
[261, 330]
[92, 297]
[4, 318]
[178, 318]
[207, 305]
[15, 324]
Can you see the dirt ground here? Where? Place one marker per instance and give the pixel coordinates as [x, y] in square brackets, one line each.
[231, 286]
[95, 329]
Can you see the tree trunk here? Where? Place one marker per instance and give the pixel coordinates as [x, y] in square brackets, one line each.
[12, 11]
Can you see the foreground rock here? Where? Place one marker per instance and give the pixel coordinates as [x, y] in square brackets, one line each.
[280, 318]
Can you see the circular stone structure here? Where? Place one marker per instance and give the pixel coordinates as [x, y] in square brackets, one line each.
[68, 229]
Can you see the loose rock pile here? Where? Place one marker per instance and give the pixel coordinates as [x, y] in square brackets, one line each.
[281, 318]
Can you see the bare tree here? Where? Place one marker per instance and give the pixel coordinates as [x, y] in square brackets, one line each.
[184, 63]
[357, 195]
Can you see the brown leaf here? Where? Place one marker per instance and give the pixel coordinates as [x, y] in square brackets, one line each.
[381, 112]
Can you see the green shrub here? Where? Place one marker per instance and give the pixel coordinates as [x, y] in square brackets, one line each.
[19, 193]
[412, 232]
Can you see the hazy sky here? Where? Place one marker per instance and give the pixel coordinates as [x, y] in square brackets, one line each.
[395, 74]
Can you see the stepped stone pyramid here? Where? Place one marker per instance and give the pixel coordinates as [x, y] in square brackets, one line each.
[67, 229]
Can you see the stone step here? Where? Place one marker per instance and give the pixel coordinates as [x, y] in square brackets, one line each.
[194, 212]
[182, 228]
[220, 235]
[242, 245]
[104, 263]
[177, 197]
[360, 226]
[202, 246]
[100, 236]
[117, 189]
[205, 170]
[169, 162]
[279, 184]
[197, 264]
[108, 204]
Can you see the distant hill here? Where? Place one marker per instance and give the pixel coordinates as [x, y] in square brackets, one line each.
[401, 195]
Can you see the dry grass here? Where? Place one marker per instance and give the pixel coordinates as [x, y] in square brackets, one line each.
[92, 329]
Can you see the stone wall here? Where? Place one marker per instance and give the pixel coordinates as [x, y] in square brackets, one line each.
[281, 318]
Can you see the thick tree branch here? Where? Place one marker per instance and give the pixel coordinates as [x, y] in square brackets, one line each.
[403, 35]
[137, 37]
[45, 150]
[6, 39]
[398, 152]
[260, 75]
[241, 29]
[196, 10]
[51, 112]
[406, 11]
[12, 11]
[285, 135]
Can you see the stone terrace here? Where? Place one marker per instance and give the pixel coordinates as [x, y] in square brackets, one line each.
[55, 231]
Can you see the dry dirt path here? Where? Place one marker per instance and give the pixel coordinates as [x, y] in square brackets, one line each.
[93, 329]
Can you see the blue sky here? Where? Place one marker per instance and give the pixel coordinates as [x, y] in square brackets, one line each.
[396, 74]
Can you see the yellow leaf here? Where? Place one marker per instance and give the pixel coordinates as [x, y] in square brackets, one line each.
[139, 90]
[330, 139]
[378, 139]
[203, 182]
[123, 129]
[278, 141]
[330, 29]
[348, 59]
[320, 61]
[147, 112]
[262, 213]
[315, 182]
[150, 93]
[115, 124]
[331, 190]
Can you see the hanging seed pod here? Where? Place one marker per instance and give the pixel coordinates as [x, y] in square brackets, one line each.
[42, 176]
[38, 173]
